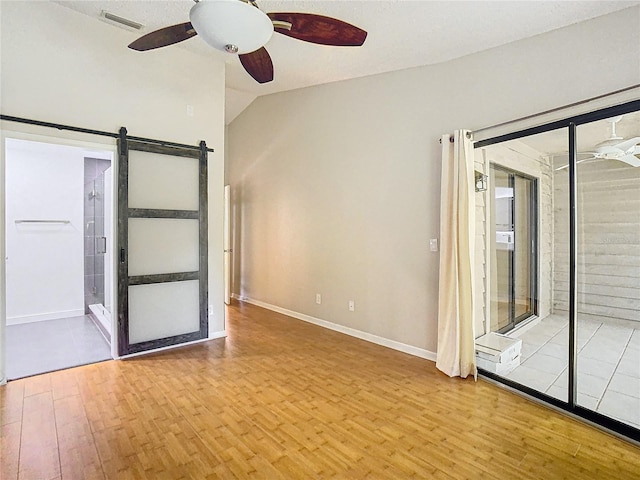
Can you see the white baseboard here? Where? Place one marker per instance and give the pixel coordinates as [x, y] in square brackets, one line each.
[385, 342]
[41, 317]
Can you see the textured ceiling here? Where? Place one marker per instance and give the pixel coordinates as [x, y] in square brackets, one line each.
[401, 34]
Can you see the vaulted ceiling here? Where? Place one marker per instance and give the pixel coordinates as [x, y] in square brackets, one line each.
[401, 34]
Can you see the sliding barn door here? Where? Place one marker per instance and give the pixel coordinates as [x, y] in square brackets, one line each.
[162, 245]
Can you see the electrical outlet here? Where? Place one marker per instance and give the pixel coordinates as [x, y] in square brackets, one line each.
[210, 309]
[352, 306]
[433, 244]
[189, 110]
[318, 298]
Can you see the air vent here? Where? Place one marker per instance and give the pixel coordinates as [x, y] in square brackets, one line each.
[122, 21]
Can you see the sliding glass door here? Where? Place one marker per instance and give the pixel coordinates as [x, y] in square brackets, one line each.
[576, 269]
[513, 248]
[608, 267]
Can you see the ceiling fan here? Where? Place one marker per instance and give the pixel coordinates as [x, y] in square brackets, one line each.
[240, 27]
[614, 148]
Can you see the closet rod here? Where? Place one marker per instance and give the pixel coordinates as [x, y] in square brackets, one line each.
[58, 126]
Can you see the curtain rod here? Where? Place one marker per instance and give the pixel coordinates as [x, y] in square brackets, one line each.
[451, 139]
[101, 133]
[557, 109]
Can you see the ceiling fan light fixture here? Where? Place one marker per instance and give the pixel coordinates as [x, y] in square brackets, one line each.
[231, 25]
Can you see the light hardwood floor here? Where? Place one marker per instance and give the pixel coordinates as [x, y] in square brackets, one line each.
[280, 398]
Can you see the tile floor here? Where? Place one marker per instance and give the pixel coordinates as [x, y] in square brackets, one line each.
[40, 347]
[608, 365]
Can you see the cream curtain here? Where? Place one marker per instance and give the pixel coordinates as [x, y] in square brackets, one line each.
[456, 337]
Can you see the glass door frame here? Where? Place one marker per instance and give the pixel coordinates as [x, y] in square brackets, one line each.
[533, 248]
[571, 406]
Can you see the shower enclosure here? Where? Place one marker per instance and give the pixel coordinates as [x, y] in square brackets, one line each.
[97, 259]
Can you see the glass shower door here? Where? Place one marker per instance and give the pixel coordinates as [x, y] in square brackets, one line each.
[96, 201]
[100, 241]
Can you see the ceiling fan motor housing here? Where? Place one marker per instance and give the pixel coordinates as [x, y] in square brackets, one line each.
[231, 26]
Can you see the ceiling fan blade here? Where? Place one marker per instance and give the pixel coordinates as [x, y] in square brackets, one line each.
[631, 160]
[258, 64]
[163, 37]
[628, 144]
[565, 155]
[318, 29]
[579, 161]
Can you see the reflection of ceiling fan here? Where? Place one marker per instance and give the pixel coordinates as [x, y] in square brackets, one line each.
[240, 27]
[627, 151]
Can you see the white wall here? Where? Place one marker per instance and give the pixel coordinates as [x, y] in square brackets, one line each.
[44, 262]
[61, 66]
[337, 187]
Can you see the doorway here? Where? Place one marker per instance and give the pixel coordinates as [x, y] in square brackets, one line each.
[514, 248]
[58, 224]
